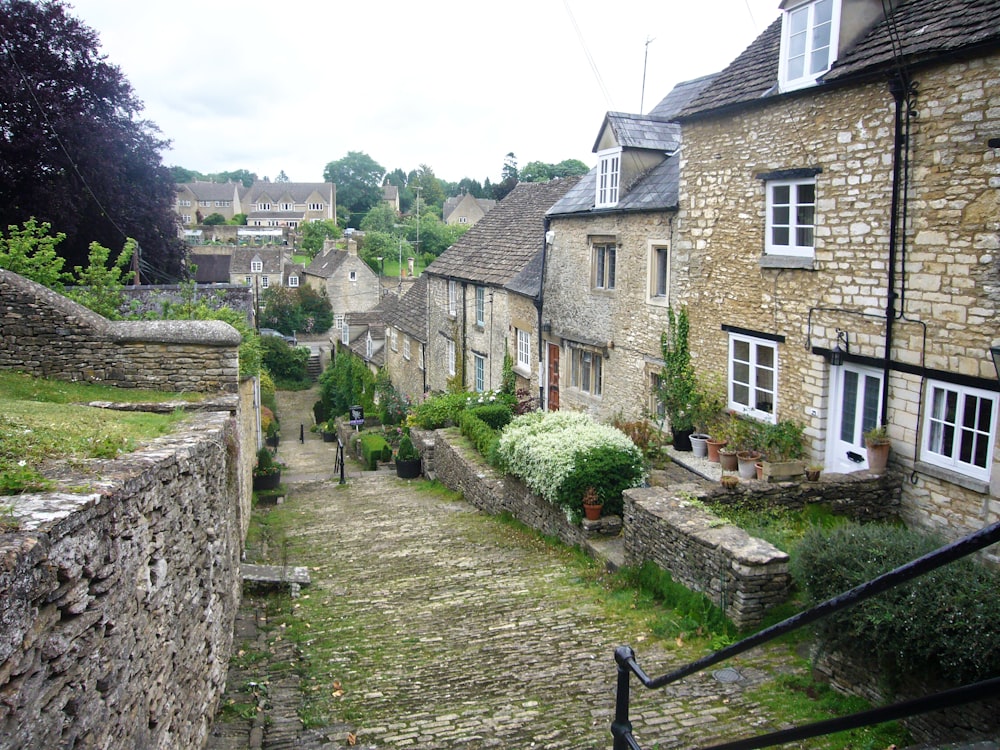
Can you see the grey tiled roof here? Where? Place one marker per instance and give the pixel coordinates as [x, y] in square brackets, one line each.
[657, 190]
[325, 265]
[498, 247]
[642, 132]
[211, 191]
[242, 257]
[299, 192]
[275, 215]
[409, 313]
[211, 269]
[679, 97]
[927, 29]
[529, 281]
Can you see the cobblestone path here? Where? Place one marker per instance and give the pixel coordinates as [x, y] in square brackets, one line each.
[446, 628]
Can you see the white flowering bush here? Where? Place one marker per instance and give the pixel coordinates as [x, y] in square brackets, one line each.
[560, 454]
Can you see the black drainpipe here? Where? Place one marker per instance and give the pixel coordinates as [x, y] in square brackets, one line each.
[538, 308]
[900, 89]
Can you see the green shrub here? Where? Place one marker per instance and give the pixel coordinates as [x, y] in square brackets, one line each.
[484, 437]
[288, 365]
[440, 411]
[945, 623]
[321, 412]
[560, 454]
[373, 448]
[407, 451]
[496, 415]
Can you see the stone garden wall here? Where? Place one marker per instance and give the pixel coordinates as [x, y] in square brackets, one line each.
[118, 599]
[44, 333]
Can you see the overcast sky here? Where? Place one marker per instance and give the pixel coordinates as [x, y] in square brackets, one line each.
[295, 84]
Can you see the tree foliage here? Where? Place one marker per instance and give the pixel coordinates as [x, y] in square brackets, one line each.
[358, 178]
[538, 171]
[31, 252]
[74, 151]
[298, 310]
[315, 233]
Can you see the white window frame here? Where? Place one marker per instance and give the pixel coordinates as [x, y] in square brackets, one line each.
[406, 347]
[604, 261]
[479, 369]
[293, 281]
[369, 346]
[338, 321]
[263, 206]
[587, 371]
[945, 439]
[352, 276]
[801, 20]
[659, 273]
[393, 340]
[523, 359]
[345, 332]
[463, 219]
[287, 206]
[656, 407]
[608, 177]
[256, 266]
[420, 356]
[449, 356]
[481, 306]
[794, 223]
[249, 280]
[452, 298]
[186, 218]
[755, 379]
[264, 281]
[315, 206]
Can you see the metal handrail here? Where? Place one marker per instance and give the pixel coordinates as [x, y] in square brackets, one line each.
[621, 728]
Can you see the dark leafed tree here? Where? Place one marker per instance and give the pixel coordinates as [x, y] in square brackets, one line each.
[358, 178]
[509, 175]
[73, 149]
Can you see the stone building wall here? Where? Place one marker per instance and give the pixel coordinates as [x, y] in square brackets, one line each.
[441, 327]
[44, 333]
[119, 599]
[407, 374]
[952, 259]
[624, 324]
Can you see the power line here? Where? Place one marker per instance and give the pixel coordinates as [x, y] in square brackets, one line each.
[590, 58]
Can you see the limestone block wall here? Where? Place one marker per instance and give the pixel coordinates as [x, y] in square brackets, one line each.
[43, 333]
[119, 599]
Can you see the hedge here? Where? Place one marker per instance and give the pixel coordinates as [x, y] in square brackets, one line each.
[374, 448]
[482, 435]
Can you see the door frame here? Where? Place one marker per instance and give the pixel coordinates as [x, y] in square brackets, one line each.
[551, 375]
[836, 459]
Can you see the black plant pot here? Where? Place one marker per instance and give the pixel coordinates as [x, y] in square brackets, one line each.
[329, 437]
[682, 439]
[408, 468]
[267, 482]
[272, 441]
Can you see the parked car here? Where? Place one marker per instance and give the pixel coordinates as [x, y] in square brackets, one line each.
[271, 332]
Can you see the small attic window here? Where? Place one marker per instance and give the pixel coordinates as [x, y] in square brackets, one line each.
[809, 37]
[608, 177]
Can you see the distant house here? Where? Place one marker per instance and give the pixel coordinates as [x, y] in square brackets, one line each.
[266, 204]
[406, 331]
[483, 293]
[349, 282]
[390, 195]
[198, 200]
[466, 210]
[363, 334]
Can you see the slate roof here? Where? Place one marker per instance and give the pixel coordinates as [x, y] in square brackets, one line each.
[529, 281]
[657, 190]
[299, 192]
[927, 30]
[242, 257]
[642, 132]
[210, 191]
[680, 96]
[409, 313]
[498, 247]
[326, 265]
[211, 269]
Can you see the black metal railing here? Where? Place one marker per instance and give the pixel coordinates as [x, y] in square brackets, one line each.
[621, 728]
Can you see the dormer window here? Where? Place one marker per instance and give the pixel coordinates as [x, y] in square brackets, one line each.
[256, 266]
[608, 175]
[809, 35]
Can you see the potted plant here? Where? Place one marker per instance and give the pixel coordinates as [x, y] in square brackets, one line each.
[708, 405]
[877, 446]
[267, 471]
[744, 439]
[813, 471]
[272, 434]
[592, 505]
[783, 445]
[724, 434]
[329, 430]
[678, 384]
[407, 459]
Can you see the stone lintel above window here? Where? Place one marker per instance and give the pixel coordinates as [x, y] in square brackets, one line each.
[787, 262]
[801, 173]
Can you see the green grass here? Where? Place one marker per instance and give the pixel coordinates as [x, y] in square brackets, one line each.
[45, 420]
[781, 527]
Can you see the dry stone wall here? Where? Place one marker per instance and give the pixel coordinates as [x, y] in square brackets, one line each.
[119, 601]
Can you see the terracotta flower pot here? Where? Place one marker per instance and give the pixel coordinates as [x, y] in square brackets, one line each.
[592, 512]
[714, 446]
[878, 456]
[728, 460]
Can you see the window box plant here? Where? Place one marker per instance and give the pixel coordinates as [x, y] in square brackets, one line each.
[877, 446]
[407, 459]
[783, 445]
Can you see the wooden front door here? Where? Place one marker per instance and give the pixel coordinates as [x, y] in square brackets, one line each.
[553, 370]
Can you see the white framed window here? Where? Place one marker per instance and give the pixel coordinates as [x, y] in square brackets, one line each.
[420, 356]
[293, 281]
[809, 36]
[249, 280]
[345, 332]
[205, 204]
[449, 355]
[393, 341]
[186, 218]
[315, 206]
[369, 346]
[959, 429]
[608, 176]
[352, 276]
[184, 203]
[656, 407]
[586, 371]
[338, 321]
[523, 361]
[293, 224]
[463, 219]
[452, 298]
[753, 376]
[479, 367]
[287, 206]
[256, 266]
[264, 282]
[480, 306]
[263, 206]
[604, 257]
[659, 272]
[406, 347]
[791, 217]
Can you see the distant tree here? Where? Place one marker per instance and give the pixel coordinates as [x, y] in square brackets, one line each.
[382, 217]
[470, 186]
[358, 178]
[536, 171]
[314, 233]
[430, 187]
[282, 177]
[243, 176]
[509, 176]
[376, 243]
[239, 220]
[570, 168]
[299, 310]
[214, 219]
[74, 151]
[181, 175]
